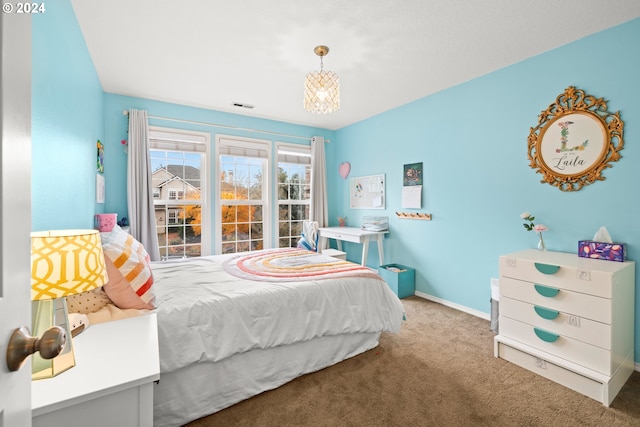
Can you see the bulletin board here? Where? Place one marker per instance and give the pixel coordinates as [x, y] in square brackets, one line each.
[367, 192]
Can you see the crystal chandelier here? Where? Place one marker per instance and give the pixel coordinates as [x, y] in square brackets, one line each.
[322, 89]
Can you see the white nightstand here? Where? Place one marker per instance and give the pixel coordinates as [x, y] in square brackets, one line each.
[112, 382]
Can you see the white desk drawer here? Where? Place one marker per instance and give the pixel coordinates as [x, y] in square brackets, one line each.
[587, 355]
[579, 304]
[579, 328]
[342, 236]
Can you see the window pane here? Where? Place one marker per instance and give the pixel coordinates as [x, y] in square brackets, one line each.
[284, 212]
[228, 214]
[176, 180]
[241, 182]
[256, 231]
[257, 213]
[229, 248]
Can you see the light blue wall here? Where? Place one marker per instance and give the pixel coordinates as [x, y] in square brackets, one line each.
[472, 140]
[117, 123]
[67, 121]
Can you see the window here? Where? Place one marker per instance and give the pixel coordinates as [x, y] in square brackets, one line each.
[294, 192]
[176, 194]
[179, 165]
[242, 194]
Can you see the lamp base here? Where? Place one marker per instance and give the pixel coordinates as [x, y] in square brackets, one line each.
[44, 315]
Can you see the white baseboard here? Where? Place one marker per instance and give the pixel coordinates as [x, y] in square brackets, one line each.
[468, 310]
[458, 307]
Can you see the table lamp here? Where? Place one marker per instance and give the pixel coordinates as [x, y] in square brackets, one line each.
[63, 263]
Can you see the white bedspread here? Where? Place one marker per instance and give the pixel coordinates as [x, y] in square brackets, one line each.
[207, 314]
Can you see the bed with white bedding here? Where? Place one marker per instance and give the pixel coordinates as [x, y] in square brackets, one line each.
[233, 326]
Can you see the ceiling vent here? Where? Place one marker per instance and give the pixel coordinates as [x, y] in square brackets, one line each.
[238, 104]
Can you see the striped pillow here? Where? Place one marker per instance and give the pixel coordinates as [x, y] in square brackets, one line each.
[130, 277]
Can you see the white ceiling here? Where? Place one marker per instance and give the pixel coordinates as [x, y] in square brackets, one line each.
[213, 53]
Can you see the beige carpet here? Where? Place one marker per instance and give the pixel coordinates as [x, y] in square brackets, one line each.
[438, 371]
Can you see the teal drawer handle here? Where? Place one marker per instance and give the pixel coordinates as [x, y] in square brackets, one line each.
[546, 336]
[547, 268]
[546, 291]
[546, 313]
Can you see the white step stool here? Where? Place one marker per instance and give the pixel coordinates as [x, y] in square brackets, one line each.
[335, 254]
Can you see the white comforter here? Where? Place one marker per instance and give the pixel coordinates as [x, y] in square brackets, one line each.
[206, 314]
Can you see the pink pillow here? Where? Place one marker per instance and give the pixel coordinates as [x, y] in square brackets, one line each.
[130, 277]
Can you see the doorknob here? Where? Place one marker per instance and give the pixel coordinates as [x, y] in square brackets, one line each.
[23, 345]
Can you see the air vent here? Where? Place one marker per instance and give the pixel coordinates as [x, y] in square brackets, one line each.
[238, 104]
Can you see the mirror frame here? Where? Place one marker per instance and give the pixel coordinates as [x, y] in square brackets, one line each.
[575, 140]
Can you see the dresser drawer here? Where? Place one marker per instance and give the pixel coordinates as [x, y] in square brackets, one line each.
[567, 271]
[575, 303]
[569, 325]
[587, 386]
[578, 352]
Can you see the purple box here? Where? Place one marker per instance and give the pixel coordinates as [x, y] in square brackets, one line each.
[601, 250]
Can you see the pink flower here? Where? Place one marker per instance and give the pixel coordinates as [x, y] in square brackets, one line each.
[124, 142]
[540, 228]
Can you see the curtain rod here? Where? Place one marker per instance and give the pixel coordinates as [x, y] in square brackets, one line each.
[126, 113]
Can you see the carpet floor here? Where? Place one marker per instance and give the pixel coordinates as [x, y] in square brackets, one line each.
[438, 371]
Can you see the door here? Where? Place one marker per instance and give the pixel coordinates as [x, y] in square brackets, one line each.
[15, 211]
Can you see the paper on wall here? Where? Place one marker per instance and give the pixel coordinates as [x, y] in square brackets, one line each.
[412, 196]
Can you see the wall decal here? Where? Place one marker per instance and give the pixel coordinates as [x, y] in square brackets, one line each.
[100, 163]
[344, 169]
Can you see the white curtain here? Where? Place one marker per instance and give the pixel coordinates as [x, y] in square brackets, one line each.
[319, 212]
[142, 221]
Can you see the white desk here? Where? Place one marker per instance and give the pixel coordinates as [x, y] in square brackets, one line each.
[112, 382]
[354, 235]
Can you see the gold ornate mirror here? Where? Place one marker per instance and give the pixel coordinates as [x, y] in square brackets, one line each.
[575, 140]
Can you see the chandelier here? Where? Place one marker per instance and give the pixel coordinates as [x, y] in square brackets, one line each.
[322, 89]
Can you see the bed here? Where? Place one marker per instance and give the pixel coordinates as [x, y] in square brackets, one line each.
[233, 326]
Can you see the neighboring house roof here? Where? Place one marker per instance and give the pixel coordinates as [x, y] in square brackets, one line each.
[188, 174]
[176, 178]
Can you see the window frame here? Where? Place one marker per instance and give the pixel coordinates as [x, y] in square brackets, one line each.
[244, 147]
[181, 140]
[289, 153]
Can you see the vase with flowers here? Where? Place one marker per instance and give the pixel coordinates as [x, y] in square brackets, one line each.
[538, 228]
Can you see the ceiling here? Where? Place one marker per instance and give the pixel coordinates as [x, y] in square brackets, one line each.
[214, 53]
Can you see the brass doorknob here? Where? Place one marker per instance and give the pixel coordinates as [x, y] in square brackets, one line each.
[23, 345]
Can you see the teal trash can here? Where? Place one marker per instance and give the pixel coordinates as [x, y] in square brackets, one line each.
[400, 278]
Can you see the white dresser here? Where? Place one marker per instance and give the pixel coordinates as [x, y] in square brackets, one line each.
[568, 319]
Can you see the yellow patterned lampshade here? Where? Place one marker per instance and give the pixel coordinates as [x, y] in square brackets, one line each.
[66, 262]
[63, 263]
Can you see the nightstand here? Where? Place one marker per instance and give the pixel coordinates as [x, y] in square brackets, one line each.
[112, 382]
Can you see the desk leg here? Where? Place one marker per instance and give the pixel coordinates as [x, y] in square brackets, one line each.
[365, 250]
[339, 243]
[380, 249]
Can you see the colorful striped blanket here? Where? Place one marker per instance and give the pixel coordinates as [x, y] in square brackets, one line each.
[292, 264]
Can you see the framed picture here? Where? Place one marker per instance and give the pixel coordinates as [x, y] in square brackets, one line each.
[575, 140]
[100, 163]
[573, 144]
[412, 174]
